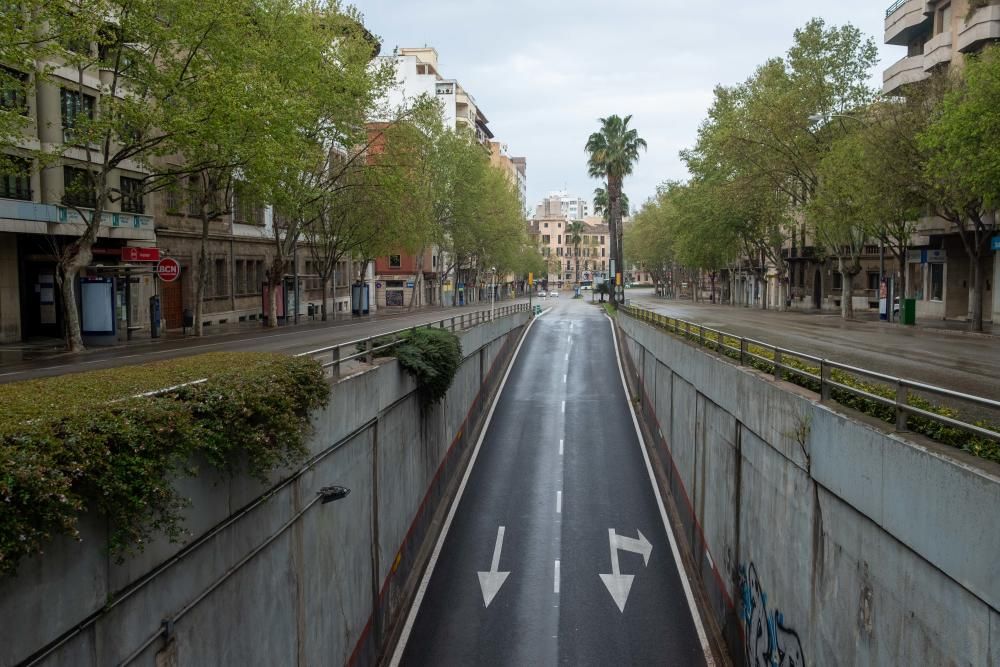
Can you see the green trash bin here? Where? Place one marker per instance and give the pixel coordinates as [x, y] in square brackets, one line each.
[908, 313]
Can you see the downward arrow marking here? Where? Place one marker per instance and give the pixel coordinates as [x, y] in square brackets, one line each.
[491, 581]
[619, 584]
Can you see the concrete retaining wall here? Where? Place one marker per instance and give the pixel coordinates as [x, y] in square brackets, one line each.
[274, 579]
[817, 537]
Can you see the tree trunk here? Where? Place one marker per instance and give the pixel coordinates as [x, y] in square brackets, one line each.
[77, 258]
[976, 293]
[201, 275]
[846, 291]
[326, 297]
[274, 281]
[418, 282]
[614, 220]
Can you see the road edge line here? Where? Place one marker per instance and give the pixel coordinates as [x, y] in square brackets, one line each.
[678, 561]
[411, 617]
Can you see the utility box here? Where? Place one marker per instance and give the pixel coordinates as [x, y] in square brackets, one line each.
[908, 312]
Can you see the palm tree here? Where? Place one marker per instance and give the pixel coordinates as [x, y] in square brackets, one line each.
[613, 152]
[601, 207]
[574, 231]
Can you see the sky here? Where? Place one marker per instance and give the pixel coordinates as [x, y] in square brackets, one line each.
[545, 71]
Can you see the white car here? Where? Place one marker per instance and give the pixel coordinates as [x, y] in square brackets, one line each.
[554, 294]
[541, 295]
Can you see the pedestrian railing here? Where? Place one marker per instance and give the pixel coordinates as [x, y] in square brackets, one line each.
[894, 6]
[909, 404]
[333, 357]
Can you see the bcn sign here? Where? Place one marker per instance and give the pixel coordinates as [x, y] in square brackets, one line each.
[168, 269]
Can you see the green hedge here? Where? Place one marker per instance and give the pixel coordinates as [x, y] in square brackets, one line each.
[87, 441]
[956, 437]
[431, 356]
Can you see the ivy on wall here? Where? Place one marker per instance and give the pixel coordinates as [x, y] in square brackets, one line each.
[431, 356]
[90, 442]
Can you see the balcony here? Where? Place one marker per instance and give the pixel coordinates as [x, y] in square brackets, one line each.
[982, 26]
[32, 218]
[906, 19]
[937, 51]
[904, 72]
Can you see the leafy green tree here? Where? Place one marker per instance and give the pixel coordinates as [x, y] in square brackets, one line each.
[962, 167]
[612, 154]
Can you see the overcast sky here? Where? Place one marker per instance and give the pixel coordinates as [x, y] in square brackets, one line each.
[544, 71]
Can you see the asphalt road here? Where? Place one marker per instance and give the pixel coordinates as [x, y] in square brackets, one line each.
[20, 363]
[953, 360]
[559, 468]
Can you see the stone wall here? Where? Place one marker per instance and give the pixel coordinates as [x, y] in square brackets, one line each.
[272, 577]
[817, 536]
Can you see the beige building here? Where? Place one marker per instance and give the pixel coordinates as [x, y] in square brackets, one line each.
[590, 257]
[514, 167]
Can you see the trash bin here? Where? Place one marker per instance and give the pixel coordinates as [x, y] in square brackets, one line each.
[154, 316]
[908, 313]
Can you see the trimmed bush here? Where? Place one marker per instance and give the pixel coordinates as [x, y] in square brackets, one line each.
[89, 441]
[431, 356]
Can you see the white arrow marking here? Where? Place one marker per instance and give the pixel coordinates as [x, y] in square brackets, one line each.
[491, 581]
[620, 584]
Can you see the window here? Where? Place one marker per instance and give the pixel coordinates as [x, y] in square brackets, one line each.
[258, 276]
[569, 264]
[943, 23]
[77, 188]
[838, 280]
[241, 277]
[546, 225]
[193, 197]
[602, 253]
[74, 104]
[395, 262]
[937, 281]
[15, 179]
[873, 281]
[602, 243]
[132, 201]
[802, 276]
[246, 210]
[13, 90]
[219, 282]
[546, 239]
[559, 238]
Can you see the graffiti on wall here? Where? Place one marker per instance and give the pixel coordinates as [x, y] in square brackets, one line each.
[768, 641]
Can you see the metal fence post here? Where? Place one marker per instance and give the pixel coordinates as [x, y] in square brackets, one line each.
[368, 350]
[777, 364]
[452, 323]
[824, 380]
[901, 395]
[743, 351]
[336, 362]
[701, 335]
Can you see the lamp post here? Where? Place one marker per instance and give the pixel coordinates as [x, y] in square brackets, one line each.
[493, 279]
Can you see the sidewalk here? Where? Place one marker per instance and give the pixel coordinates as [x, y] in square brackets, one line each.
[52, 349]
[951, 326]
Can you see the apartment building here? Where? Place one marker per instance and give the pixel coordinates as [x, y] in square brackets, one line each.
[937, 35]
[418, 73]
[551, 236]
[560, 203]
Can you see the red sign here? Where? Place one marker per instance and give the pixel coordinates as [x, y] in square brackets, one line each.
[132, 254]
[168, 269]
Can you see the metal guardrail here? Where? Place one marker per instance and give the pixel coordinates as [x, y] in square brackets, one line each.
[739, 347]
[894, 6]
[332, 356]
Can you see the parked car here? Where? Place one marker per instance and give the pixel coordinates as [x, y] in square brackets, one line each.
[554, 294]
[541, 294]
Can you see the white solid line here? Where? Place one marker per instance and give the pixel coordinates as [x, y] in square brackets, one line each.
[404, 636]
[685, 583]
[564, 406]
[558, 502]
[564, 377]
[567, 356]
[560, 447]
[569, 339]
[555, 586]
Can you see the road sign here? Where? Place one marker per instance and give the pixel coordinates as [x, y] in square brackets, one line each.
[135, 254]
[620, 584]
[995, 243]
[491, 581]
[409, 284]
[168, 269]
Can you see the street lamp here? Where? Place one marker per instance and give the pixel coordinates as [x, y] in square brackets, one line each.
[493, 279]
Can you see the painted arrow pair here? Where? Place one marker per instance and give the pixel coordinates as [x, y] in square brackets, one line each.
[620, 584]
